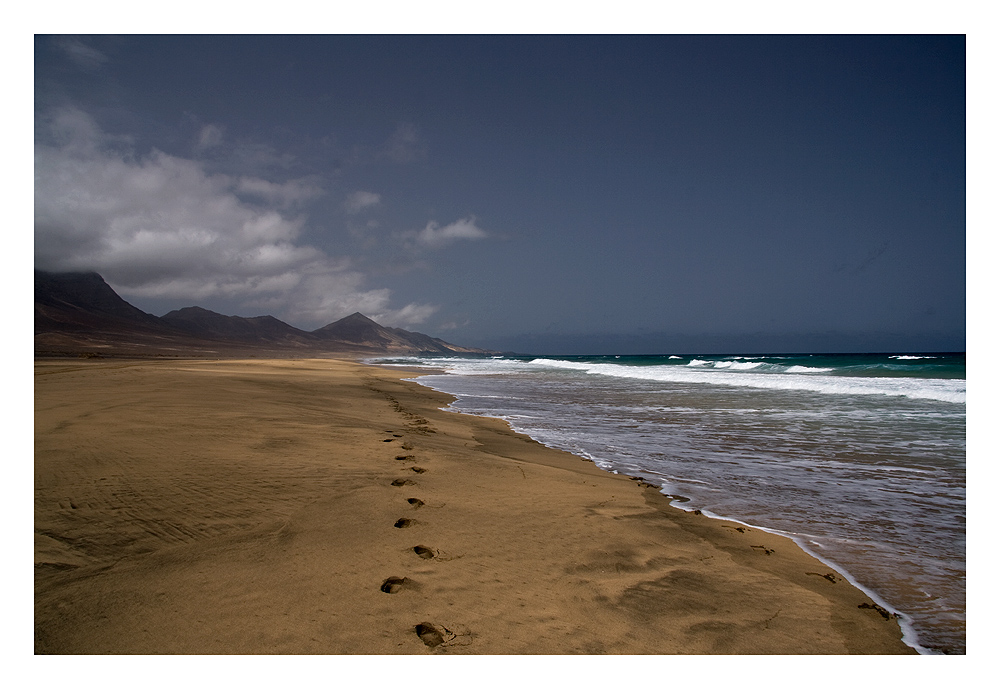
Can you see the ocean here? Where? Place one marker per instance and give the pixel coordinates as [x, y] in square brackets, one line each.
[859, 458]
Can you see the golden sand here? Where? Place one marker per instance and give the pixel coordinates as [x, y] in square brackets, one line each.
[324, 506]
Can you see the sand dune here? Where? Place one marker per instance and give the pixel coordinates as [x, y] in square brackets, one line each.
[322, 506]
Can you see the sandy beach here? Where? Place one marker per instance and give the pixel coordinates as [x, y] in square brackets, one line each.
[327, 507]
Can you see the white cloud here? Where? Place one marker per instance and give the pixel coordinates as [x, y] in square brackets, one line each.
[288, 193]
[411, 314]
[323, 297]
[435, 235]
[161, 226]
[76, 134]
[359, 200]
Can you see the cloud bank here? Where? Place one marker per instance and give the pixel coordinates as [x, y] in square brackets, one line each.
[161, 226]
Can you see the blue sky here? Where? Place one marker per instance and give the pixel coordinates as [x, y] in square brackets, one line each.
[546, 194]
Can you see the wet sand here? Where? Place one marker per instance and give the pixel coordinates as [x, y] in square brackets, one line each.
[326, 507]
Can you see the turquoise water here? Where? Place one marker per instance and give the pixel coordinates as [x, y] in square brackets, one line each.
[859, 458]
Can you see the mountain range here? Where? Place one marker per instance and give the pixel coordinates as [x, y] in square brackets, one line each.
[79, 314]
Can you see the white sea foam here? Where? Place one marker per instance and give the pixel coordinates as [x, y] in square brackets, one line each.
[809, 379]
[752, 374]
[739, 365]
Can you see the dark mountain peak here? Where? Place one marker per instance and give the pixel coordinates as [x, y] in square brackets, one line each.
[80, 312]
[357, 318]
[202, 322]
[356, 328]
[78, 277]
[191, 313]
[77, 289]
[81, 298]
[192, 310]
[197, 313]
[194, 313]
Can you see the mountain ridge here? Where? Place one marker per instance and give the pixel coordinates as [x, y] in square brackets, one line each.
[80, 314]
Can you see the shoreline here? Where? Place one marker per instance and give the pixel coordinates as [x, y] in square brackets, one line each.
[329, 506]
[910, 635]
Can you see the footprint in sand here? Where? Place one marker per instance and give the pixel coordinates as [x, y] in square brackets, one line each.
[403, 482]
[830, 576]
[416, 502]
[424, 552]
[406, 458]
[433, 635]
[871, 606]
[403, 523]
[418, 470]
[395, 584]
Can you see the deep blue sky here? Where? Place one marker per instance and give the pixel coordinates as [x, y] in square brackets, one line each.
[558, 194]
